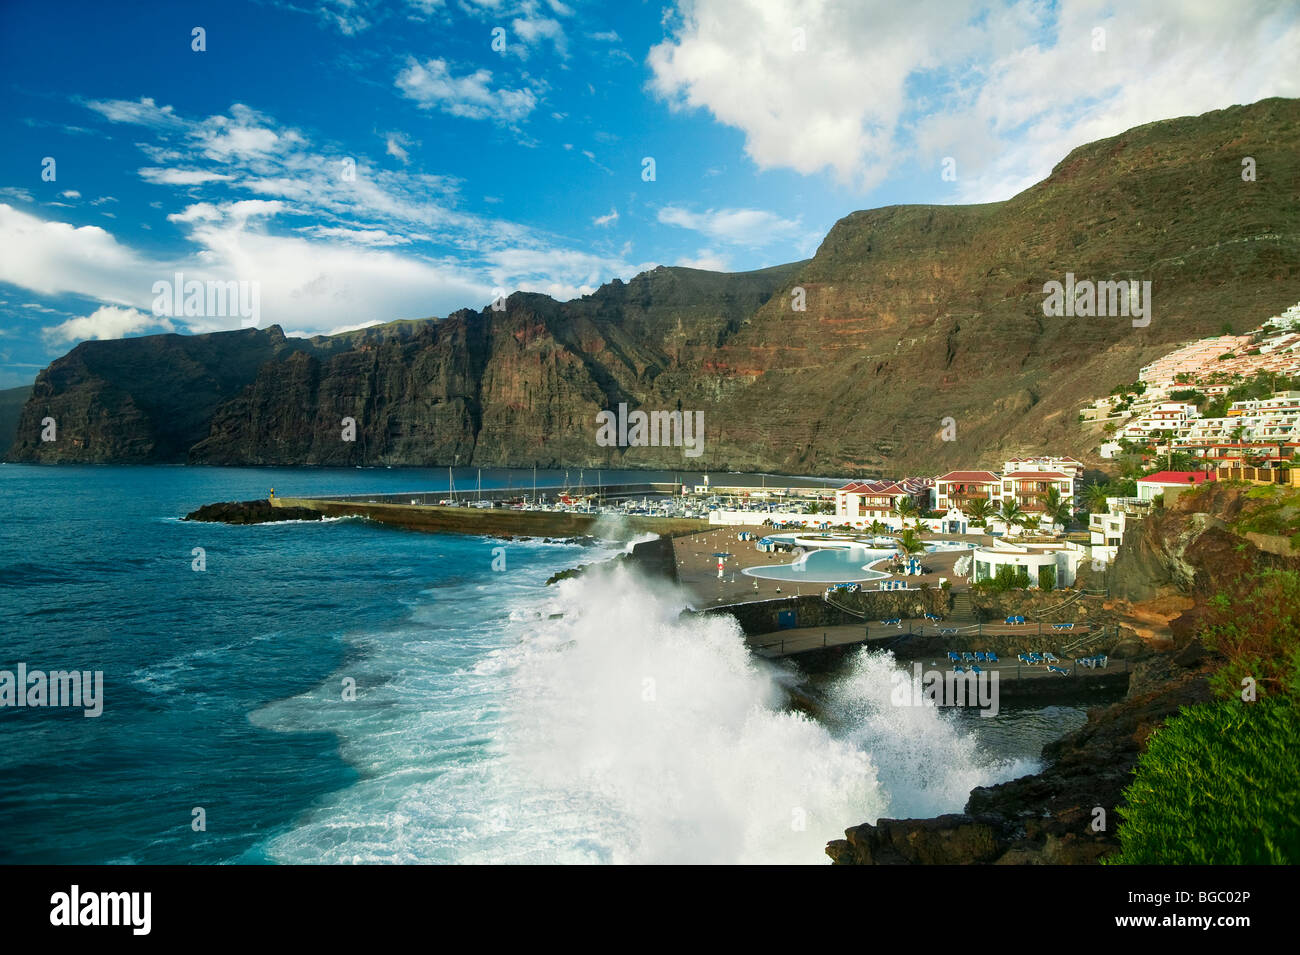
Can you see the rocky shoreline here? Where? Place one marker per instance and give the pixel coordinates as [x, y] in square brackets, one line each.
[251, 512]
[1169, 565]
[1046, 818]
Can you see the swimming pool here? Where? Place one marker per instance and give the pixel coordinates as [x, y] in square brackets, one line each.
[837, 560]
[836, 565]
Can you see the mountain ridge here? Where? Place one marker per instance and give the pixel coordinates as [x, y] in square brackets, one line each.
[915, 314]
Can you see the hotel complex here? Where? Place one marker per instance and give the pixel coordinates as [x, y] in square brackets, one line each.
[1259, 430]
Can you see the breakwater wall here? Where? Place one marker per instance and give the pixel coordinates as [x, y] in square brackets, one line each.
[811, 610]
[655, 558]
[763, 616]
[497, 522]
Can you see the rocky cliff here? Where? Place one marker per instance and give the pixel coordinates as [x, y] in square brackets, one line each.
[912, 315]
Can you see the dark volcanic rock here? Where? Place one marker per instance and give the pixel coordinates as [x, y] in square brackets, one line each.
[251, 512]
[1046, 818]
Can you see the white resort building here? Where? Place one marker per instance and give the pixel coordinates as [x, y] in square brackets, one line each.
[1062, 559]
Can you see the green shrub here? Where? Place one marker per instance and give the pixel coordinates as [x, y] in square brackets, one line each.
[1216, 786]
[1046, 578]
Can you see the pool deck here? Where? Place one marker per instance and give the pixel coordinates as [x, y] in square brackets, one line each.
[697, 567]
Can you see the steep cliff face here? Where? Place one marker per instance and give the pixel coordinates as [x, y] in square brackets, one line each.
[519, 386]
[12, 401]
[919, 313]
[140, 400]
[911, 315]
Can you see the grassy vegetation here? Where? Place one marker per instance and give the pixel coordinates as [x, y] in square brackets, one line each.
[1217, 786]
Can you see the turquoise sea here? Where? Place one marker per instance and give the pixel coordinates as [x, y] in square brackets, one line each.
[494, 719]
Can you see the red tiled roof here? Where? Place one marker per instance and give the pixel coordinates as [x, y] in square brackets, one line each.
[873, 487]
[1178, 477]
[987, 477]
[1059, 475]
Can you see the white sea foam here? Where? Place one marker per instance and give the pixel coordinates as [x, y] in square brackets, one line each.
[617, 732]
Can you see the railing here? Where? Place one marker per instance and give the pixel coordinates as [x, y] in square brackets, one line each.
[861, 615]
[1065, 603]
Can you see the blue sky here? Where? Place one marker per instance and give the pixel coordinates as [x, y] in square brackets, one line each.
[480, 169]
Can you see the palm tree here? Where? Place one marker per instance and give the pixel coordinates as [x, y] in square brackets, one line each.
[905, 507]
[978, 510]
[1097, 494]
[909, 542]
[1010, 513]
[877, 528]
[1030, 522]
[1057, 507]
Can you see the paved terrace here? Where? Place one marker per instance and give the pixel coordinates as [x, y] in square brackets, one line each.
[697, 568]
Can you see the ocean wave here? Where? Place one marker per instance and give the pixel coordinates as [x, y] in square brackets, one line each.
[593, 723]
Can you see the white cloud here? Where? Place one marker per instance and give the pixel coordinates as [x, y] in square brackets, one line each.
[306, 286]
[398, 145]
[70, 194]
[610, 219]
[535, 29]
[367, 237]
[55, 257]
[181, 177]
[560, 273]
[244, 135]
[747, 227]
[108, 321]
[432, 85]
[1005, 88]
[142, 112]
[708, 260]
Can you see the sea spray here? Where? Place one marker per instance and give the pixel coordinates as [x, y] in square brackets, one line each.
[596, 723]
[928, 762]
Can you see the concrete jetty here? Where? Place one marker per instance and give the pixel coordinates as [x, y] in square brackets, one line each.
[492, 521]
